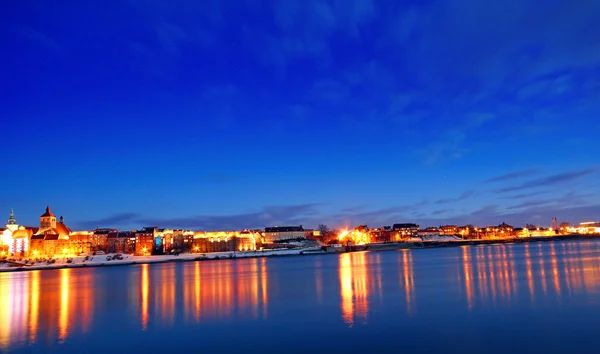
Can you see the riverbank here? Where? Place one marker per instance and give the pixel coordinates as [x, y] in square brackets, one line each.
[459, 243]
[102, 260]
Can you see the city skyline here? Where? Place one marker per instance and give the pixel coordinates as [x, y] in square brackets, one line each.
[232, 115]
[341, 228]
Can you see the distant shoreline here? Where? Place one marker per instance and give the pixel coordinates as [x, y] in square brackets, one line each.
[373, 247]
[100, 260]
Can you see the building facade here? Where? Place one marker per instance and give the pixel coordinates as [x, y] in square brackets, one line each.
[405, 230]
[145, 241]
[283, 233]
[99, 239]
[224, 241]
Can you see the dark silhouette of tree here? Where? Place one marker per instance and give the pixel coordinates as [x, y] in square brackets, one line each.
[323, 230]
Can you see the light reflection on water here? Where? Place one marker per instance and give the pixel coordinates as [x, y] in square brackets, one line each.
[354, 287]
[359, 291]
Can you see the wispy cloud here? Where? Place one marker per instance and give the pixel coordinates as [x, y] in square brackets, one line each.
[111, 221]
[465, 195]
[531, 203]
[375, 216]
[453, 142]
[550, 180]
[513, 175]
[526, 195]
[267, 216]
[535, 214]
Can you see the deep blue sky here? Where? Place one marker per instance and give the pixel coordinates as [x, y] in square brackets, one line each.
[220, 114]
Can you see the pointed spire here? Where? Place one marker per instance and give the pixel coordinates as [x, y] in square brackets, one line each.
[11, 219]
[48, 212]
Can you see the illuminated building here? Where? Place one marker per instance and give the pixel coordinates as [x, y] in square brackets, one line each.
[79, 242]
[6, 234]
[224, 241]
[505, 229]
[430, 231]
[468, 231]
[20, 244]
[49, 226]
[522, 232]
[405, 230]
[589, 227]
[11, 224]
[99, 239]
[382, 234]
[145, 240]
[501, 231]
[15, 239]
[117, 242]
[283, 233]
[167, 239]
[55, 238]
[449, 230]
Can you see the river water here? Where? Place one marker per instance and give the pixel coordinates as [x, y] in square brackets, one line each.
[521, 298]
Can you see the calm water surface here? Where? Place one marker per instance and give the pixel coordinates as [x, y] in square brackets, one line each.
[539, 297]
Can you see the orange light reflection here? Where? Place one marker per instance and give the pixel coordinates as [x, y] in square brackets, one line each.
[63, 321]
[197, 296]
[468, 275]
[145, 294]
[35, 303]
[354, 287]
[529, 273]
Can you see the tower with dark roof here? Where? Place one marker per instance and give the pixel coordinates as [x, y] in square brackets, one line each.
[11, 218]
[11, 224]
[48, 220]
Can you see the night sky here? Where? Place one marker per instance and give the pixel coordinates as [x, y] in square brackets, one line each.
[220, 114]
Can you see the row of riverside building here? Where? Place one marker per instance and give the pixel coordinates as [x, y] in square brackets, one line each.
[54, 238]
[408, 231]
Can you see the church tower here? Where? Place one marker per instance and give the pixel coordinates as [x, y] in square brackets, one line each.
[48, 220]
[11, 224]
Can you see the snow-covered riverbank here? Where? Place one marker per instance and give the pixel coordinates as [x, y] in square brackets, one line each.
[102, 260]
